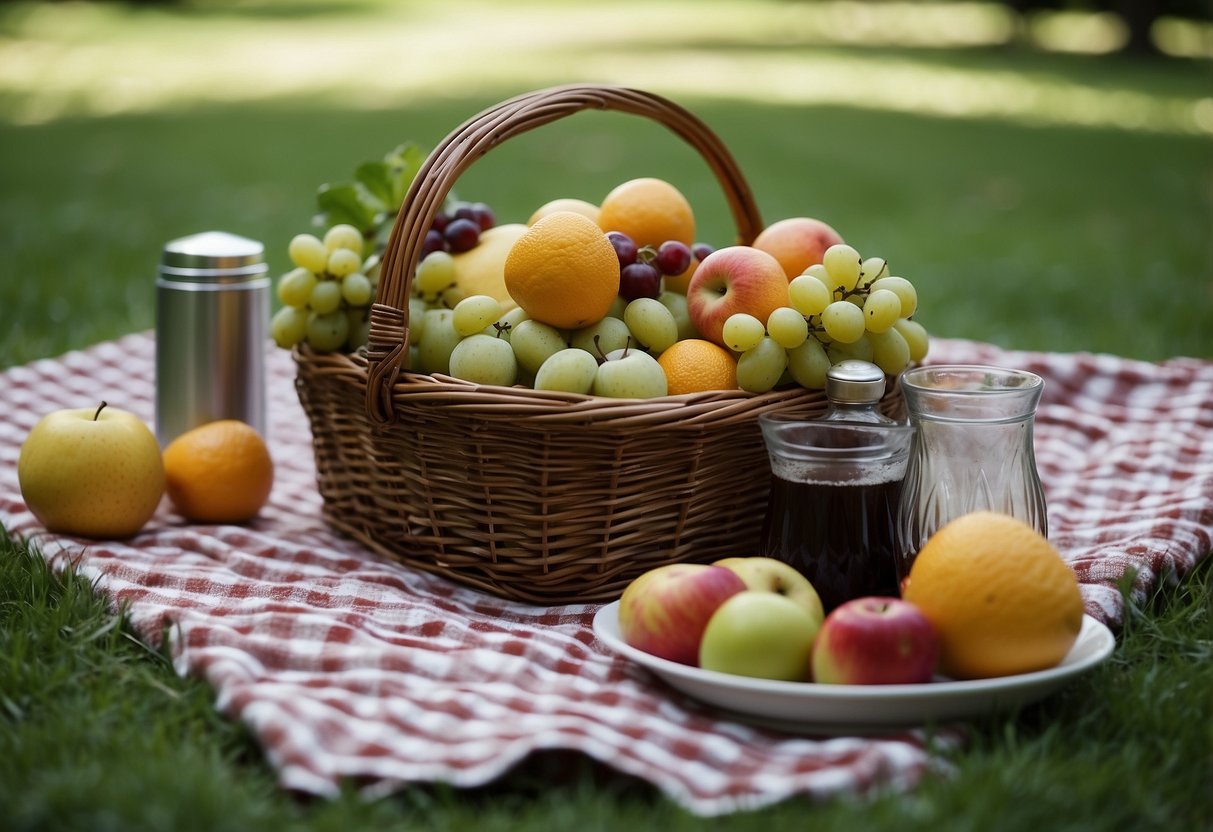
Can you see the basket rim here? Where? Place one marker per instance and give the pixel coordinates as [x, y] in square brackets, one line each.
[695, 410]
[387, 346]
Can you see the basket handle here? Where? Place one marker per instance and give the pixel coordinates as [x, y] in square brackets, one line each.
[387, 343]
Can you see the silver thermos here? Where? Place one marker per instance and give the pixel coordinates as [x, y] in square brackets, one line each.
[212, 320]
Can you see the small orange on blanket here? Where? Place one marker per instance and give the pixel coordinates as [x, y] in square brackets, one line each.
[220, 472]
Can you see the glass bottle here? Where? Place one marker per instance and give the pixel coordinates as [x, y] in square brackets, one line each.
[832, 514]
[972, 450]
[854, 388]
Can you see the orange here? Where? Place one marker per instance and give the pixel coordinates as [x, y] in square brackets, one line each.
[650, 211]
[220, 472]
[578, 206]
[695, 366]
[1001, 598]
[563, 271]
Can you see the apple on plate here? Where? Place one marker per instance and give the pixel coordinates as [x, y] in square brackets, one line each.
[760, 634]
[875, 641]
[665, 610]
[771, 575]
[797, 243]
[731, 280]
[630, 373]
[94, 472]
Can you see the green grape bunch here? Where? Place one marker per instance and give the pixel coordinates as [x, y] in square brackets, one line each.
[326, 297]
[327, 294]
[844, 307]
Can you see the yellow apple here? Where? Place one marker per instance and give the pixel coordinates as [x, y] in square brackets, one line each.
[764, 574]
[91, 473]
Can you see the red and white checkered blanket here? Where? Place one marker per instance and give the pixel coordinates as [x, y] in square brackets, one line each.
[349, 667]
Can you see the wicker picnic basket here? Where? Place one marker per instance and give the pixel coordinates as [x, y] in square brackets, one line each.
[536, 496]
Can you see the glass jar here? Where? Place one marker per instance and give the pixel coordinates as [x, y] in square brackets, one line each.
[972, 450]
[832, 514]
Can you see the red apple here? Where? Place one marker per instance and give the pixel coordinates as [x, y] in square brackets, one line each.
[665, 610]
[731, 280]
[797, 243]
[875, 641]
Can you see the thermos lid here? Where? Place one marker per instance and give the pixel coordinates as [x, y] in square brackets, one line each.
[213, 256]
[854, 382]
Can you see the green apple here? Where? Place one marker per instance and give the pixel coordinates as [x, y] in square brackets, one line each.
[602, 338]
[504, 328]
[630, 373]
[570, 371]
[484, 359]
[771, 575]
[91, 473]
[760, 634]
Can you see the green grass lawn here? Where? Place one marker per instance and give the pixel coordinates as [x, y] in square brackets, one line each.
[1044, 201]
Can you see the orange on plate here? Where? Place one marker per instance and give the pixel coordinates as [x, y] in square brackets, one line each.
[220, 472]
[1001, 598]
[695, 366]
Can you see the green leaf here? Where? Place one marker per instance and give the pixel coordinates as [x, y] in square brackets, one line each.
[350, 203]
[377, 178]
[404, 162]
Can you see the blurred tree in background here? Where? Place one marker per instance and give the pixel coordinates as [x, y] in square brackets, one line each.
[1138, 16]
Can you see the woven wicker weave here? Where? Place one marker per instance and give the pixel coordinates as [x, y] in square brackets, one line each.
[538, 496]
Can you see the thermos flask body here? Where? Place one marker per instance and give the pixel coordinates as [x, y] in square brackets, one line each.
[212, 320]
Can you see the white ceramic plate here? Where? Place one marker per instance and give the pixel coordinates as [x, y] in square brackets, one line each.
[817, 708]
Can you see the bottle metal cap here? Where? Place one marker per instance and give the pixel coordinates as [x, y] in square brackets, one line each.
[855, 382]
[213, 256]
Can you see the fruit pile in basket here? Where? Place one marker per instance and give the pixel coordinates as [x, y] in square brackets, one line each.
[987, 596]
[614, 299]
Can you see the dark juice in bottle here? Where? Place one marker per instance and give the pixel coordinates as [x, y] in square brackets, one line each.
[842, 537]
